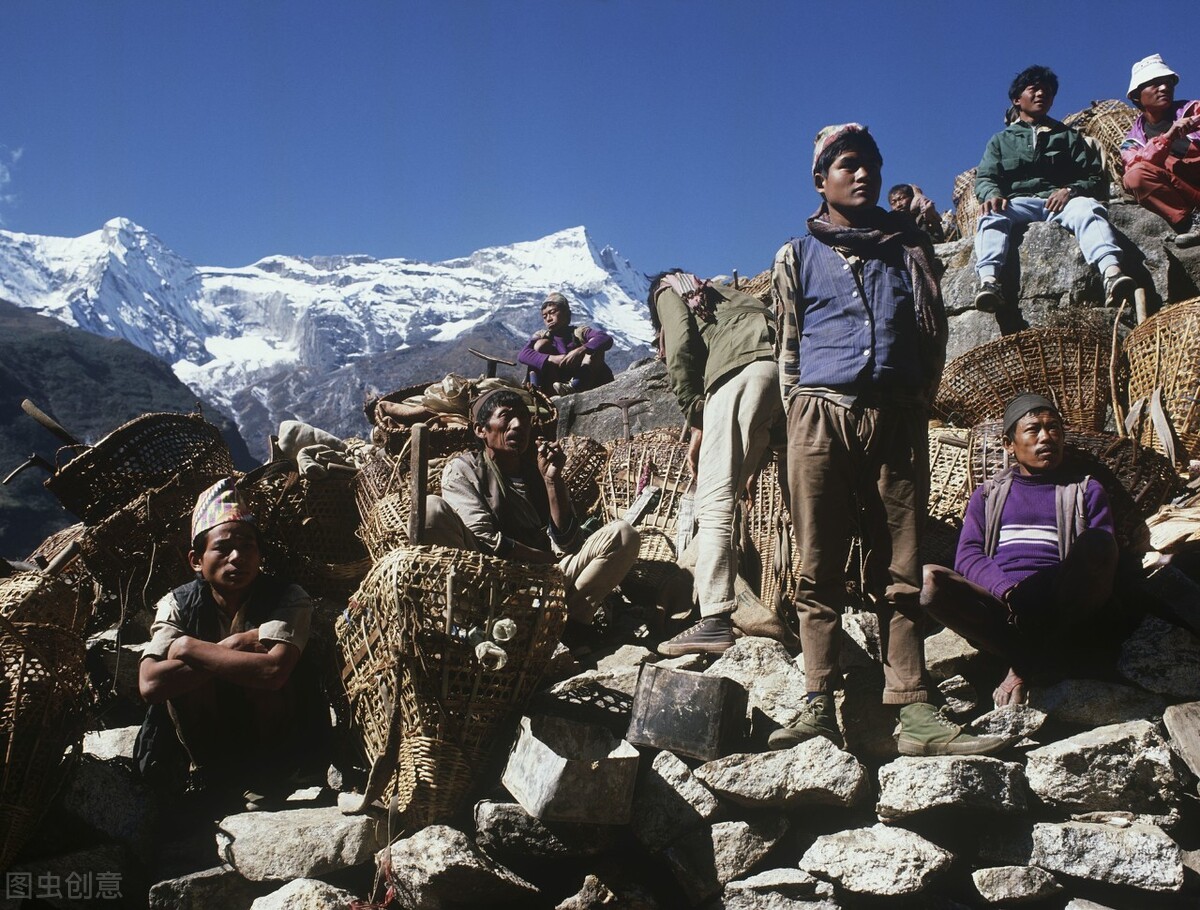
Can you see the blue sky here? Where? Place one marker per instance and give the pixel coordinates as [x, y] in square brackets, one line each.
[678, 132]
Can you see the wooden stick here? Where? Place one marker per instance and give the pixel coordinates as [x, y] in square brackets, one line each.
[418, 482]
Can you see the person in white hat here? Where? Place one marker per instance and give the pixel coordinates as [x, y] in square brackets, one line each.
[1161, 151]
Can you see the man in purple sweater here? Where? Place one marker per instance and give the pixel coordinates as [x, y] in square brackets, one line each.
[1036, 558]
[563, 358]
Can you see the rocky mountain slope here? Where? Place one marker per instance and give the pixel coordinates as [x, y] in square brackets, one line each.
[288, 337]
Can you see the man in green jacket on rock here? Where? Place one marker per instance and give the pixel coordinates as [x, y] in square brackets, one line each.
[1038, 169]
[719, 346]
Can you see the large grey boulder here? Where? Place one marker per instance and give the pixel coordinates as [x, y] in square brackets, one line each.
[221, 886]
[115, 743]
[1125, 767]
[297, 843]
[879, 860]
[779, 889]
[109, 797]
[909, 786]
[440, 866]
[1140, 856]
[505, 829]
[585, 414]
[813, 773]
[1014, 884]
[305, 894]
[1183, 727]
[773, 680]
[706, 860]
[1095, 703]
[1163, 658]
[670, 802]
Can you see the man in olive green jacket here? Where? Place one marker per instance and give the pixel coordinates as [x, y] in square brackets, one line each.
[1038, 169]
[719, 346]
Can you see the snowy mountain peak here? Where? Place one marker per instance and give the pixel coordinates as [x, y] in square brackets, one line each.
[231, 332]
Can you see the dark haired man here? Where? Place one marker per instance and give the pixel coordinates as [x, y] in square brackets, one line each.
[1037, 169]
[563, 358]
[1036, 558]
[909, 200]
[510, 499]
[225, 655]
[863, 342]
[719, 345]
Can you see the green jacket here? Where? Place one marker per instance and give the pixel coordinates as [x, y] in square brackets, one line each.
[1036, 159]
[701, 354]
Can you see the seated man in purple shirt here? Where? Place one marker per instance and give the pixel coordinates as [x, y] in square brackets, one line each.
[1036, 558]
[563, 358]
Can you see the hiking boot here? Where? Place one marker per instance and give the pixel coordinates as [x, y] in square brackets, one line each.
[1191, 231]
[926, 730]
[713, 635]
[582, 638]
[990, 298]
[1118, 287]
[819, 718]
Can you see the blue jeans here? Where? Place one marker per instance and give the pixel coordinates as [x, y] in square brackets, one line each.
[1083, 216]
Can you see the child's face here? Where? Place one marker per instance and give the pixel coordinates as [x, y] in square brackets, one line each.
[231, 559]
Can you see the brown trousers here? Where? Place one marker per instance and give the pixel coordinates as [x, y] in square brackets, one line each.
[873, 464]
[1170, 189]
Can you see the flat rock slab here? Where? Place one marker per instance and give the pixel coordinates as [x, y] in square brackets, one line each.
[305, 894]
[813, 773]
[1140, 856]
[1183, 726]
[116, 743]
[961, 697]
[909, 786]
[1163, 658]
[948, 654]
[879, 860]
[218, 887]
[669, 803]
[1121, 767]
[439, 866]
[505, 829]
[707, 860]
[596, 894]
[779, 889]
[1011, 720]
[297, 843]
[1095, 703]
[1014, 884]
[773, 680]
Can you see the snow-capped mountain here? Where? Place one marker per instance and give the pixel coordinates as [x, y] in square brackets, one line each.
[259, 341]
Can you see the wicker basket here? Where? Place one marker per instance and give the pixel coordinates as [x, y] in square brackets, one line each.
[146, 453]
[1138, 479]
[309, 528]
[1164, 352]
[1070, 366]
[949, 473]
[586, 461]
[1106, 122]
[966, 206]
[139, 552]
[769, 529]
[419, 698]
[42, 702]
[34, 597]
[658, 458]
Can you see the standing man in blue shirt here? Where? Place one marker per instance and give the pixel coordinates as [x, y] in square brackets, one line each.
[863, 343]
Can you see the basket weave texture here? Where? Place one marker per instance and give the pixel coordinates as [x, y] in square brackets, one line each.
[33, 597]
[309, 528]
[1106, 122]
[408, 671]
[41, 715]
[769, 528]
[144, 454]
[1137, 479]
[1070, 366]
[966, 206]
[657, 458]
[1164, 352]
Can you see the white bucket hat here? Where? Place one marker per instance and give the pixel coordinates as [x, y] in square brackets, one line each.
[1148, 69]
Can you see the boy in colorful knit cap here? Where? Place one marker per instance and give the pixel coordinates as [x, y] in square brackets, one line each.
[224, 660]
[1036, 558]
